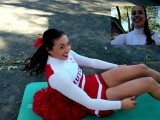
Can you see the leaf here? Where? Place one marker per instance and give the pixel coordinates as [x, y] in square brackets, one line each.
[18, 61]
[2, 67]
[12, 67]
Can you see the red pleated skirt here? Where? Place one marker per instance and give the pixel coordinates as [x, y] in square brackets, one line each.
[52, 105]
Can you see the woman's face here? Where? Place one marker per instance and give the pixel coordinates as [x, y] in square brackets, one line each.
[138, 17]
[61, 48]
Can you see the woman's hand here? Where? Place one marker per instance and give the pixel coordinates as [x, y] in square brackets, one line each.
[128, 103]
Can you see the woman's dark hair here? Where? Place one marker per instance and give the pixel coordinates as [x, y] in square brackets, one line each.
[147, 31]
[36, 64]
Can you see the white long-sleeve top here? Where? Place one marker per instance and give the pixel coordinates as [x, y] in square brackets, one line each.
[65, 77]
[135, 37]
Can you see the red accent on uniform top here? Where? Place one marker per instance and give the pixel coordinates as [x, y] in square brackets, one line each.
[49, 71]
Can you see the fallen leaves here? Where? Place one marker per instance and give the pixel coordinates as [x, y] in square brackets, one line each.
[10, 63]
[11, 67]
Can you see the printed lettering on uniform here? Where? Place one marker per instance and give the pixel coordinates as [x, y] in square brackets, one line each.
[72, 60]
[79, 76]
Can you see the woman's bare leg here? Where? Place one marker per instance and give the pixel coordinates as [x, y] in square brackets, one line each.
[153, 73]
[120, 75]
[134, 88]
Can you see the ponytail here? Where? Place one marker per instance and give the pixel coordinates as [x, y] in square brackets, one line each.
[148, 34]
[37, 62]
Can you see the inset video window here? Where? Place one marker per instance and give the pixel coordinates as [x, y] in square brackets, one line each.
[135, 25]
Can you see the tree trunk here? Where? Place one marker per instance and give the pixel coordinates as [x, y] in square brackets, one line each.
[119, 14]
[129, 26]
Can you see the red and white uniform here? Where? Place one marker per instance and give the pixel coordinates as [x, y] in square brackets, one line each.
[66, 77]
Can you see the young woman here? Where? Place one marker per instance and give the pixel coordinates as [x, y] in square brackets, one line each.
[70, 93]
[141, 34]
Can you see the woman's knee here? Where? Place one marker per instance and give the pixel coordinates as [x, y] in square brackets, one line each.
[150, 81]
[143, 68]
[154, 88]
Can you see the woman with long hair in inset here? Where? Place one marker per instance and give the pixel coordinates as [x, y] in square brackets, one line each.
[141, 34]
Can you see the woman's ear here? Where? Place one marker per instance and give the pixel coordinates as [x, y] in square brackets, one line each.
[49, 51]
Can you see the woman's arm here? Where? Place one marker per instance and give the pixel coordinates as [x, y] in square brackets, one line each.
[119, 40]
[155, 37]
[64, 85]
[93, 63]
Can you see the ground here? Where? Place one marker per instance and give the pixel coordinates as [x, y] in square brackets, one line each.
[87, 24]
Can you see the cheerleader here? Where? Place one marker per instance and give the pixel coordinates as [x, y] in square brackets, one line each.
[71, 94]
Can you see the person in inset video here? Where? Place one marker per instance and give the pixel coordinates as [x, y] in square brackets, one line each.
[141, 34]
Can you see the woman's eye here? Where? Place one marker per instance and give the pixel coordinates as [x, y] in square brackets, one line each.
[134, 13]
[62, 47]
[69, 44]
[140, 13]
